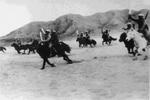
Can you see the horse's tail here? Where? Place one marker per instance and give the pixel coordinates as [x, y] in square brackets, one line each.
[94, 42]
[65, 47]
[114, 39]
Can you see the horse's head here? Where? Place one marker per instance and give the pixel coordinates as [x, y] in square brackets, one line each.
[123, 37]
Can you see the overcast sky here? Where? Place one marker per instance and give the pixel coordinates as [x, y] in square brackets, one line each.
[16, 13]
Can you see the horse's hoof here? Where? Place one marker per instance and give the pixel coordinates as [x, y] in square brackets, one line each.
[69, 62]
[42, 68]
[53, 65]
[145, 58]
[139, 54]
[134, 59]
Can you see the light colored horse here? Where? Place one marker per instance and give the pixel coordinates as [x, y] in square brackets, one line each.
[140, 43]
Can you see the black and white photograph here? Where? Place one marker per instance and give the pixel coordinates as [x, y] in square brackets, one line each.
[74, 49]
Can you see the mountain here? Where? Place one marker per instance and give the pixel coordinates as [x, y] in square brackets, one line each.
[67, 25]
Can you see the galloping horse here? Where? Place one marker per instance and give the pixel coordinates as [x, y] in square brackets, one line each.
[46, 52]
[140, 42]
[25, 47]
[83, 42]
[107, 39]
[128, 44]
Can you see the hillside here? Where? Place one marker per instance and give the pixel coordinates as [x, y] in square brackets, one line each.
[67, 25]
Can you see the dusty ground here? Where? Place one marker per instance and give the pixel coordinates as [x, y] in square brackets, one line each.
[101, 73]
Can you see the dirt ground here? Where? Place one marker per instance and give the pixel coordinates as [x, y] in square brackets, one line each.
[100, 73]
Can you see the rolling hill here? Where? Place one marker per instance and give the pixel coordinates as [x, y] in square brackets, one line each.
[66, 25]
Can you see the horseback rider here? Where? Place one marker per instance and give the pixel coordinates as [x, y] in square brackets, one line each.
[52, 42]
[107, 32]
[19, 42]
[81, 35]
[50, 38]
[45, 36]
[130, 26]
[87, 36]
[141, 21]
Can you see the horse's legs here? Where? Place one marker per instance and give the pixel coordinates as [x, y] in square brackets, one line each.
[44, 61]
[132, 51]
[18, 51]
[52, 65]
[65, 57]
[146, 53]
[102, 42]
[24, 51]
[128, 50]
[33, 51]
[109, 42]
[135, 55]
[29, 52]
[79, 45]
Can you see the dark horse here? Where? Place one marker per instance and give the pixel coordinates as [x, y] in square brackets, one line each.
[46, 52]
[91, 42]
[83, 42]
[107, 39]
[128, 44]
[24, 47]
[3, 49]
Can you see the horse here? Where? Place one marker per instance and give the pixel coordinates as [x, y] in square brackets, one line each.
[91, 42]
[24, 47]
[3, 49]
[141, 43]
[46, 52]
[82, 41]
[128, 44]
[107, 39]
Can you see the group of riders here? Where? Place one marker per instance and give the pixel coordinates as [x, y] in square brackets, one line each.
[83, 35]
[49, 37]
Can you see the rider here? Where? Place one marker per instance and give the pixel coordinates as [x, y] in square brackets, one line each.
[130, 26]
[87, 36]
[45, 36]
[19, 42]
[141, 21]
[52, 42]
[50, 38]
[107, 32]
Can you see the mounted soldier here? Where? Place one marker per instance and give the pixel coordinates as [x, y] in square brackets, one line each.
[50, 39]
[142, 26]
[19, 42]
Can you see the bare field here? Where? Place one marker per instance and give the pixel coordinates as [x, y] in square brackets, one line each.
[100, 73]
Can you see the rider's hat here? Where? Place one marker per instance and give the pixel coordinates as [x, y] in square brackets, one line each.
[141, 15]
[53, 31]
[48, 30]
[129, 25]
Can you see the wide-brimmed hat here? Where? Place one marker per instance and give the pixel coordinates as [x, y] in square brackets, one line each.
[141, 15]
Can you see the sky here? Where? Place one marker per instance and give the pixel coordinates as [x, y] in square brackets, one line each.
[16, 13]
